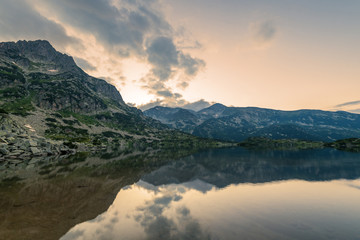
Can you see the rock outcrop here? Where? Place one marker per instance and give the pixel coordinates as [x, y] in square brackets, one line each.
[66, 107]
[19, 143]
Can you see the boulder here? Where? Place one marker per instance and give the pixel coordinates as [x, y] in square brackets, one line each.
[32, 143]
[4, 151]
[35, 150]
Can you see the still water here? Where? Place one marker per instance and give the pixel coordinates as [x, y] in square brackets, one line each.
[237, 194]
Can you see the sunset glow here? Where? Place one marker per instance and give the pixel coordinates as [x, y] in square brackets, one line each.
[282, 55]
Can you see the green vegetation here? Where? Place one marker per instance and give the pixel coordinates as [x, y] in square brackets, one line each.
[12, 73]
[51, 120]
[67, 133]
[20, 106]
[349, 144]
[13, 92]
[85, 119]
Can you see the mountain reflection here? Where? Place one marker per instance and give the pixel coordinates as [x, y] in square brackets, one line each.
[222, 167]
[237, 194]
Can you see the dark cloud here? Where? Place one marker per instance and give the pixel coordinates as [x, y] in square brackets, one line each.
[348, 104]
[162, 54]
[167, 59]
[190, 65]
[83, 64]
[18, 20]
[124, 28]
[165, 93]
[120, 27]
[132, 28]
[264, 32]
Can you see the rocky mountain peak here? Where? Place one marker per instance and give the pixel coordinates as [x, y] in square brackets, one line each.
[37, 56]
[214, 110]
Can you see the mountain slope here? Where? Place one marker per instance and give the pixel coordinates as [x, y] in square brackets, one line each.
[48, 95]
[237, 124]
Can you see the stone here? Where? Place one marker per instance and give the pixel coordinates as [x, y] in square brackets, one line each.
[34, 160]
[30, 166]
[17, 152]
[32, 143]
[49, 151]
[4, 151]
[35, 150]
[25, 156]
[15, 161]
[10, 140]
[10, 135]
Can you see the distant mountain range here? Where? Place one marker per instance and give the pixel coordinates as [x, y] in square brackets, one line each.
[239, 123]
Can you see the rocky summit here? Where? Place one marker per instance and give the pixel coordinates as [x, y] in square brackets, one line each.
[48, 105]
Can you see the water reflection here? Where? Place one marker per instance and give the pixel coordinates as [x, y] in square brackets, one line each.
[238, 194]
[290, 209]
[45, 197]
[222, 167]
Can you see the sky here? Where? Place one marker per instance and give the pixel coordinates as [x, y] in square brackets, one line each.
[280, 54]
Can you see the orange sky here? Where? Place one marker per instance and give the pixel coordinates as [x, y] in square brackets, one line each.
[282, 55]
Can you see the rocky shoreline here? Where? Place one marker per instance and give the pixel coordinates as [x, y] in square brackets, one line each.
[21, 142]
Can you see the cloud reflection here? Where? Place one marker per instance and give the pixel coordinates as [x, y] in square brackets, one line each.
[160, 214]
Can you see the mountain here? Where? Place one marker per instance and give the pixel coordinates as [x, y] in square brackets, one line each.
[237, 123]
[54, 105]
[177, 118]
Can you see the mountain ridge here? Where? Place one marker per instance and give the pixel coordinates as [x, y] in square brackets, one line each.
[46, 98]
[238, 123]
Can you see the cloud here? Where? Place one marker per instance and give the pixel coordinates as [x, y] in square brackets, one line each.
[151, 104]
[121, 26]
[84, 64]
[162, 54]
[99, 34]
[165, 93]
[264, 31]
[177, 102]
[19, 20]
[158, 226]
[355, 111]
[130, 29]
[261, 35]
[190, 65]
[76, 234]
[348, 104]
[198, 105]
[352, 106]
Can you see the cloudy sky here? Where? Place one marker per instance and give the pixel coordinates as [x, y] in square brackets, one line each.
[282, 54]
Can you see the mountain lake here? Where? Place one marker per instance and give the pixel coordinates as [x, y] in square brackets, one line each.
[228, 193]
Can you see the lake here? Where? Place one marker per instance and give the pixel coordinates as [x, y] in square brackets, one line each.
[230, 193]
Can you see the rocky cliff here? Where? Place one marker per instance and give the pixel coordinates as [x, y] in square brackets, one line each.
[48, 98]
